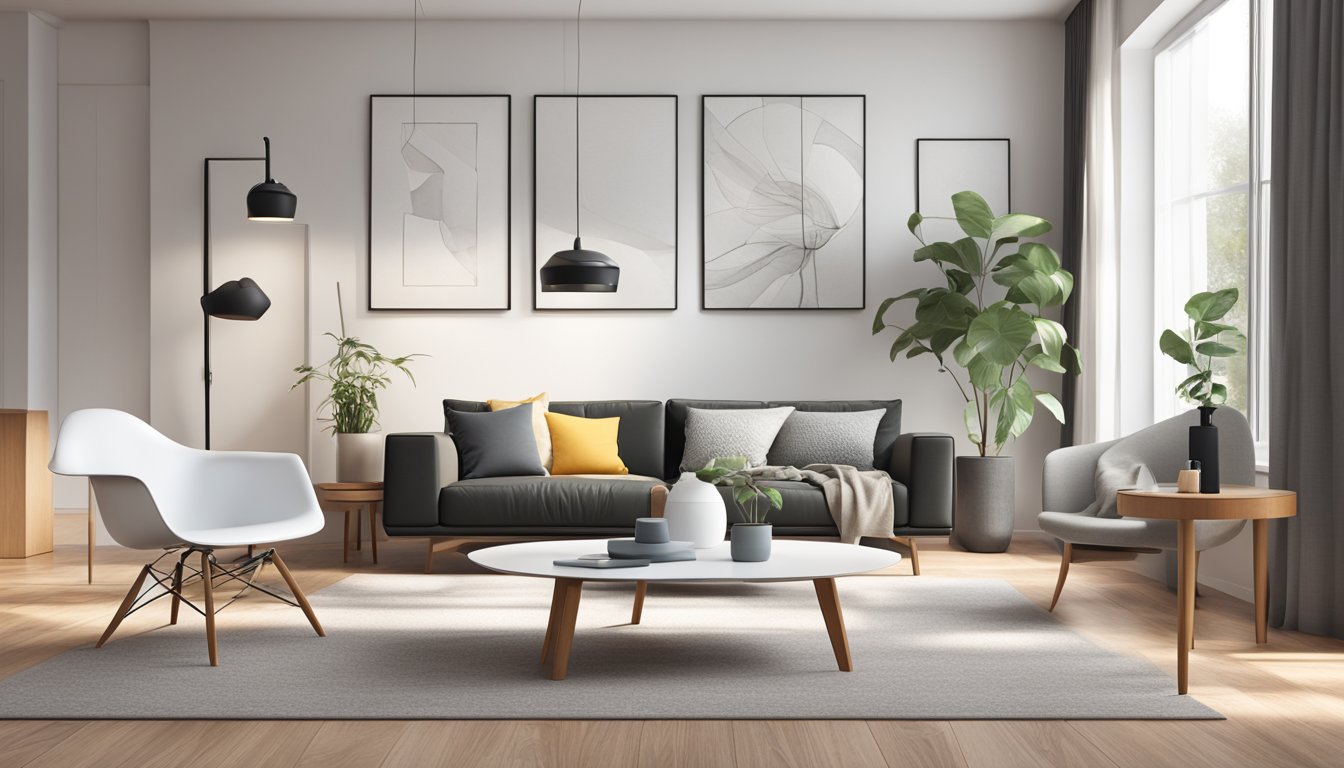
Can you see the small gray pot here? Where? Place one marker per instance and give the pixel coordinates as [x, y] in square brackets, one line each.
[986, 503]
[751, 542]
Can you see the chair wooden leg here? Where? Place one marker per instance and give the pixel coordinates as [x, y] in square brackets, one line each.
[1065, 558]
[911, 544]
[637, 613]
[125, 606]
[208, 579]
[345, 547]
[298, 593]
[177, 589]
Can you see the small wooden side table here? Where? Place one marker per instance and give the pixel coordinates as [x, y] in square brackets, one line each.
[1232, 502]
[354, 497]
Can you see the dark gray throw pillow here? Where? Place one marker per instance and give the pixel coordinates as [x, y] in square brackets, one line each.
[495, 443]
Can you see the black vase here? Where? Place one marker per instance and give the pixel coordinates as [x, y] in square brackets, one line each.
[1204, 449]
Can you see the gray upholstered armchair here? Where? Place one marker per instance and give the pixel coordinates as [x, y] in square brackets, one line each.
[1069, 488]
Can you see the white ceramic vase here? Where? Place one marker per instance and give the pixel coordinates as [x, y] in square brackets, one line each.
[359, 457]
[695, 512]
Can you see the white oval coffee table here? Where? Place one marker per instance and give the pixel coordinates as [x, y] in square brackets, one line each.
[817, 561]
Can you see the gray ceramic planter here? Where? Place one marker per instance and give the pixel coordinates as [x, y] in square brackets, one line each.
[985, 504]
[751, 542]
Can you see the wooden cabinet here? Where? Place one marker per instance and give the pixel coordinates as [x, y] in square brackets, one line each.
[25, 484]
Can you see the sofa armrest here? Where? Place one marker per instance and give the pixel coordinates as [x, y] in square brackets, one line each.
[922, 462]
[416, 466]
[1067, 483]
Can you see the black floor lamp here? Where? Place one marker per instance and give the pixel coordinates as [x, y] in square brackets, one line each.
[240, 299]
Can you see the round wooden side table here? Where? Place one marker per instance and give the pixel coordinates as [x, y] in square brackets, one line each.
[1232, 502]
[354, 497]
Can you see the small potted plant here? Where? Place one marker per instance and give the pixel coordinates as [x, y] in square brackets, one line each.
[751, 537]
[356, 373]
[1204, 340]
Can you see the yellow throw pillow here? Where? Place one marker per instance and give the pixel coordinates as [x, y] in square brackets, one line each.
[540, 404]
[585, 446]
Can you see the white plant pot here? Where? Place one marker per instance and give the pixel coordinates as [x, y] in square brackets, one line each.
[695, 512]
[359, 457]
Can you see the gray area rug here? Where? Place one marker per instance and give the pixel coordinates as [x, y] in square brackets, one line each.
[467, 647]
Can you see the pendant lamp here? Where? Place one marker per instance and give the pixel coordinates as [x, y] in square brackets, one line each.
[577, 269]
[270, 200]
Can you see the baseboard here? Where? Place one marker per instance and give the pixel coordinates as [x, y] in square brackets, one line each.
[1230, 588]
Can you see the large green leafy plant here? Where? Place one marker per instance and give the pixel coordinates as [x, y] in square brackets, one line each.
[989, 314]
[1203, 341]
[732, 471]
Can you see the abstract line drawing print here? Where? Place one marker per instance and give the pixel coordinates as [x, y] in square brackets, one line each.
[783, 202]
[439, 232]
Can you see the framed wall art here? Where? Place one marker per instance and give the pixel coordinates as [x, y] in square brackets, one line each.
[439, 202]
[605, 167]
[783, 202]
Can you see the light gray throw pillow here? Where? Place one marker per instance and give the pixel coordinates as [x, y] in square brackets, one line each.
[827, 437]
[495, 443]
[1115, 476]
[711, 433]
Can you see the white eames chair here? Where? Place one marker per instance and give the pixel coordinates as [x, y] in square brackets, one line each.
[157, 494]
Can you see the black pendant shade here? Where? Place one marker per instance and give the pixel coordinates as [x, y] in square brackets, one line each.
[578, 270]
[236, 300]
[270, 200]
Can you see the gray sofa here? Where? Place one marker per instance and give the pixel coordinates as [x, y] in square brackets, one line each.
[424, 497]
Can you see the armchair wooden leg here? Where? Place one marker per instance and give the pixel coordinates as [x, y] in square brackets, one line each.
[910, 543]
[125, 606]
[208, 579]
[298, 593]
[1064, 561]
[177, 589]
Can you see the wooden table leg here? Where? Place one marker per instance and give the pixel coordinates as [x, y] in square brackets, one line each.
[373, 530]
[557, 607]
[93, 531]
[345, 547]
[636, 613]
[829, 599]
[1185, 574]
[564, 630]
[1261, 533]
[359, 532]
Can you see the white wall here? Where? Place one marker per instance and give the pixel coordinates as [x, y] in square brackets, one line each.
[104, 224]
[214, 93]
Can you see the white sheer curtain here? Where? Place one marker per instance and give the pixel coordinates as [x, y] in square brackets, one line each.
[1096, 409]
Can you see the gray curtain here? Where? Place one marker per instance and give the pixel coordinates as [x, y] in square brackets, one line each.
[1306, 410]
[1077, 56]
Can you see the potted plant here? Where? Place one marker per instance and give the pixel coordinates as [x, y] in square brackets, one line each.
[751, 537]
[1204, 341]
[989, 314]
[356, 373]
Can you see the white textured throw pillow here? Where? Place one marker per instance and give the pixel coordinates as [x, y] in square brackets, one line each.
[827, 437]
[747, 432]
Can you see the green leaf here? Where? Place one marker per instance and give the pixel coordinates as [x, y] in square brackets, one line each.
[1000, 334]
[1218, 394]
[879, 324]
[959, 281]
[973, 214]
[985, 376]
[969, 257]
[941, 340]
[1051, 404]
[1019, 225]
[913, 223]
[916, 351]
[900, 344]
[1016, 409]
[776, 498]
[1205, 330]
[1208, 306]
[940, 308]
[1217, 349]
[1070, 359]
[1052, 336]
[971, 417]
[733, 463]
[1176, 348]
[939, 252]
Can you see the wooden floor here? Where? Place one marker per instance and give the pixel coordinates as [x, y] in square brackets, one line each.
[1284, 701]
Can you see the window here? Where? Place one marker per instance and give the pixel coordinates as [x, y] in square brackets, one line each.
[1211, 174]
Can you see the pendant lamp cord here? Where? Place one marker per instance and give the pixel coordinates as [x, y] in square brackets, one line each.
[578, 84]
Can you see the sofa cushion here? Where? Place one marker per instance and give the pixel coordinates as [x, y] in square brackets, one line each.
[640, 438]
[495, 444]
[675, 428]
[585, 445]
[540, 405]
[888, 429]
[715, 432]
[541, 502]
[816, 437]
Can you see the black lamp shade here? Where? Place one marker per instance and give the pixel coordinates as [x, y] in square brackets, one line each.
[271, 201]
[577, 270]
[236, 300]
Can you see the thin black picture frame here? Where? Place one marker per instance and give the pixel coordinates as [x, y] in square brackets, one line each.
[704, 179]
[1008, 174]
[676, 201]
[508, 213]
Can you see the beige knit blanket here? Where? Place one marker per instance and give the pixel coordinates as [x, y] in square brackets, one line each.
[860, 501]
